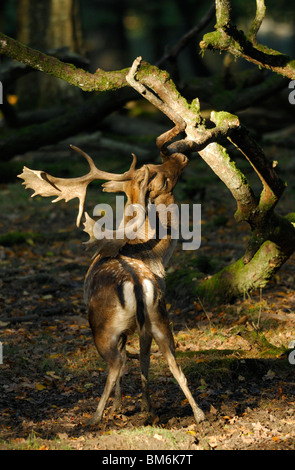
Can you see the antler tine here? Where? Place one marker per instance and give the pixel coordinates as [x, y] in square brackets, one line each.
[104, 175]
[85, 155]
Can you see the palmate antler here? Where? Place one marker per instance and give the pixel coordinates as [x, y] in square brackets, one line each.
[133, 182]
[46, 185]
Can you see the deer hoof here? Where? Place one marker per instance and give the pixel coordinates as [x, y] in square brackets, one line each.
[93, 421]
[199, 415]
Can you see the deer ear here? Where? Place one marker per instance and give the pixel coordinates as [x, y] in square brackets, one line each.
[114, 187]
[134, 190]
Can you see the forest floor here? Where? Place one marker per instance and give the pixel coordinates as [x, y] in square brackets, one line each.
[235, 356]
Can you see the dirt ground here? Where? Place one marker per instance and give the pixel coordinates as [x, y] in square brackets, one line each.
[235, 356]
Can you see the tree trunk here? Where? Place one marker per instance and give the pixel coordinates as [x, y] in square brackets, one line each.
[238, 278]
[47, 25]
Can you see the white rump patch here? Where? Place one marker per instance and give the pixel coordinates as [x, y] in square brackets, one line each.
[148, 293]
[129, 297]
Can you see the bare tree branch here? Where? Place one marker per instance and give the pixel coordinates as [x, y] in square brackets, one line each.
[187, 37]
[257, 22]
[273, 186]
[227, 37]
[98, 81]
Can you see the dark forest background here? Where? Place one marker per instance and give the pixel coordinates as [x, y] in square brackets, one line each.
[111, 33]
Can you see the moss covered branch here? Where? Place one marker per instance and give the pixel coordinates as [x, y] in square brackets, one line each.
[239, 278]
[273, 186]
[227, 37]
[98, 81]
[257, 22]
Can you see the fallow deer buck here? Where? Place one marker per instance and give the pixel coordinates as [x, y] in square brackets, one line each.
[125, 284]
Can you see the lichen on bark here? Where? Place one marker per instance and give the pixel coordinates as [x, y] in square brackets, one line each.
[239, 278]
[226, 37]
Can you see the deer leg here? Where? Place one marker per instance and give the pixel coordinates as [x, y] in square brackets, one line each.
[110, 352]
[118, 392]
[115, 365]
[164, 339]
[145, 341]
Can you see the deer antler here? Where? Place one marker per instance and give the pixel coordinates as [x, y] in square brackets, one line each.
[113, 240]
[69, 188]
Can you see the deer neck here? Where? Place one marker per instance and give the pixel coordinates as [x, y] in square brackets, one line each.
[153, 246]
